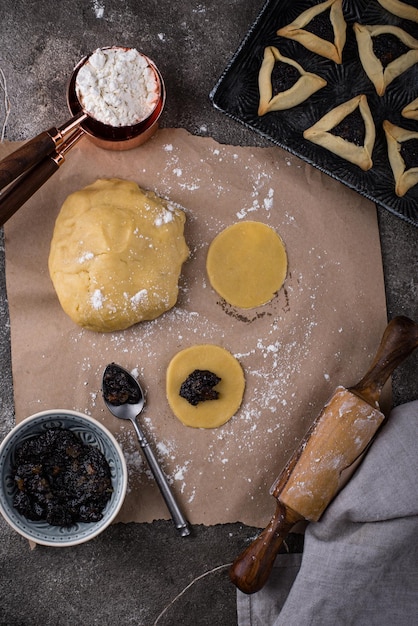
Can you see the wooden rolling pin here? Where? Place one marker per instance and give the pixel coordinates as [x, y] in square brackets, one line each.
[326, 457]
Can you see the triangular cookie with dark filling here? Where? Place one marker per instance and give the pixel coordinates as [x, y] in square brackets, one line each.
[275, 94]
[332, 50]
[347, 146]
[401, 9]
[410, 111]
[403, 156]
[385, 53]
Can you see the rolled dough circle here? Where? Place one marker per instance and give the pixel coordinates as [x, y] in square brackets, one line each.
[219, 361]
[116, 255]
[247, 264]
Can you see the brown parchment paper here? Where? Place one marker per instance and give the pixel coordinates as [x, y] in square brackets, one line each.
[321, 330]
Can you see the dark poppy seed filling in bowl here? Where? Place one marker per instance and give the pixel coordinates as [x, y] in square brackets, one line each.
[60, 479]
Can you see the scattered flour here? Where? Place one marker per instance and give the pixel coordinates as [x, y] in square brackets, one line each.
[166, 217]
[268, 201]
[87, 256]
[140, 296]
[98, 8]
[97, 299]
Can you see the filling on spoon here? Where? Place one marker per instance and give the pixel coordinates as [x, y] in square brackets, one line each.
[119, 387]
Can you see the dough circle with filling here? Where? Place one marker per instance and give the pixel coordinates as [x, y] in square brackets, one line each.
[116, 255]
[247, 264]
[219, 361]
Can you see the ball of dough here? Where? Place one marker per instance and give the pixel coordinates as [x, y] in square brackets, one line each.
[116, 255]
[208, 413]
[247, 264]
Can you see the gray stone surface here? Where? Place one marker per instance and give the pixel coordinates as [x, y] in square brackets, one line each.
[132, 572]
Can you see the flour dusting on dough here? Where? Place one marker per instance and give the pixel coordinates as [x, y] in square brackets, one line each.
[97, 299]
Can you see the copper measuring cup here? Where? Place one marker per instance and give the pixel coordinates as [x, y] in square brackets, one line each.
[26, 169]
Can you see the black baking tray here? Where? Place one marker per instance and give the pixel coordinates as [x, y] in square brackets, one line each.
[236, 94]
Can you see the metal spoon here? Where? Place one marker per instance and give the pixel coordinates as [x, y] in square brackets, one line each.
[125, 399]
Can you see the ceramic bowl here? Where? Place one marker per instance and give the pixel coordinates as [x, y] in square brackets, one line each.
[92, 433]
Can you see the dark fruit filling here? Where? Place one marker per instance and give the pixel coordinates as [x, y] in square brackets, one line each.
[387, 48]
[409, 153]
[198, 387]
[118, 388]
[351, 128]
[60, 480]
[283, 77]
[321, 26]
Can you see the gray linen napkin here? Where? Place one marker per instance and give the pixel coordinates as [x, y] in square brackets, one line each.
[360, 561]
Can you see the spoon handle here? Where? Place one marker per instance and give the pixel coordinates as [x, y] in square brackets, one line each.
[179, 520]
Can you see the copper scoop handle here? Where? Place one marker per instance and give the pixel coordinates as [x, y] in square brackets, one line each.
[31, 153]
[34, 150]
[28, 183]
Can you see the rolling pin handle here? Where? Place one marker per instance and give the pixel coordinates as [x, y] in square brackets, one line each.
[399, 340]
[250, 571]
